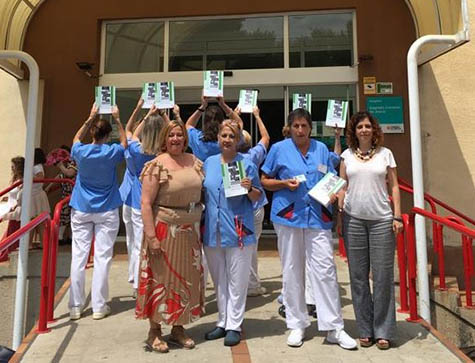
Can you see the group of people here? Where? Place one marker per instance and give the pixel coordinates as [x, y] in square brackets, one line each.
[180, 223]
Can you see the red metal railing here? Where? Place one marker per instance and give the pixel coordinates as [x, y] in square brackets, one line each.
[15, 236]
[437, 230]
[51, 270]
[50, 248]
[467, 236]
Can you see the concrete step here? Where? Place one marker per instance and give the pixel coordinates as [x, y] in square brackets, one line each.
[119, 337]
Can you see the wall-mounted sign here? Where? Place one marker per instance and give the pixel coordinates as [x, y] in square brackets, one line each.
[369, 85]
[389, 112]
[384, 88]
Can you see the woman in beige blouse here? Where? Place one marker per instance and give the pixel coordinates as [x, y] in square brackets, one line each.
[170, 286]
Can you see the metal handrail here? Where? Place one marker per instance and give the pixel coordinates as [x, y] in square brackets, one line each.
[438, 202]
[10, 240]
[38, 180]
[454, 223]
[55, 222]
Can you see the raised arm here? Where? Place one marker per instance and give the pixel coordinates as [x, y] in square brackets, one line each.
[122, 137]
[176, 112]
[265, 138]
[87, 124]
[195, 117]
[69, 172]
[164, 115]
[230, 113]
[337, 148]
[129, 127]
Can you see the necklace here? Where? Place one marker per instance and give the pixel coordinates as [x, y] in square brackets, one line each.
[365, 156]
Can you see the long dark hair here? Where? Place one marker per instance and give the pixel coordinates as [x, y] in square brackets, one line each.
[40, 157]
[100, 129]
[214, 115]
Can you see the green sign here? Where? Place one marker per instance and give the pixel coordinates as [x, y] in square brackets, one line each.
[388, 111]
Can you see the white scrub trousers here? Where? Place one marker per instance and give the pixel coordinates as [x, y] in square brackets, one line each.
[298, 246]
[104, 227]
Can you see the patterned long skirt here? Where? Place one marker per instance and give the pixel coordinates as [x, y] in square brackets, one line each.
[170, 284]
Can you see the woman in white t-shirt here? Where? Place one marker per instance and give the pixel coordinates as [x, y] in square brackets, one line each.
[369, 225]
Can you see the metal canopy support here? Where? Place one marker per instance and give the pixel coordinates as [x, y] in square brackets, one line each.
[22, 272]
[416, 153]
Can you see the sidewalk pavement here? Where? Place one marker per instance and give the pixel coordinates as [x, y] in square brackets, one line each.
[119, 337]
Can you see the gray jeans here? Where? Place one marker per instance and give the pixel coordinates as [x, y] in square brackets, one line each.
[370, 244]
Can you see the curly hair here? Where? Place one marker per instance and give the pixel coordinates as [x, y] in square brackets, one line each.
[214, 115]
[352, 140]
[18, 164]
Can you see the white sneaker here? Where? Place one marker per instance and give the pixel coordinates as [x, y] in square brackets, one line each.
[102, 314]
[295, 338]
[258, 291]
[341, 338]
[75, 313]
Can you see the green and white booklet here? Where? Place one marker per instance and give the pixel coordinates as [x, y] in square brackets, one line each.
[232, 174]
[165, 97]
[213, 84]
[105, 99]
[247, 100]
[328, 185]
[337, 112]
[148, 94]
[302, 100]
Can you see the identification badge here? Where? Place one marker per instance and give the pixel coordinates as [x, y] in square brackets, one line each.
[300, 178]
[322, 168]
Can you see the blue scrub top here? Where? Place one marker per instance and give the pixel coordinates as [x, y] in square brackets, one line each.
[126, 186]
[296, 208]
[257, 155]
[139, 159]
[221, 212]
[334, 159]
[96, 189]
[201, 149]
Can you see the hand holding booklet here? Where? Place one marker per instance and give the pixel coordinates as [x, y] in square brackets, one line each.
[233, 173]
[328, 185]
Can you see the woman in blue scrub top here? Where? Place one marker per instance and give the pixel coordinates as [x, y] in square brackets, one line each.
[229, 234]
[303, 226]
[95, 203]
[143, 147]
[204, 143]
[125, 188]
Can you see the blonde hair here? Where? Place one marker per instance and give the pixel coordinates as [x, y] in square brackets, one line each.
[233, 127]
[162, 138]
[149, 136]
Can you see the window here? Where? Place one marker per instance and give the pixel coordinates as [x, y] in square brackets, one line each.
[247, 43]
[321, 40]
[134, 47]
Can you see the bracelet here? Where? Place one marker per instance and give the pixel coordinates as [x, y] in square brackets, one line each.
[397, 219]
[340, 210]
[250, 189]
[201, 110]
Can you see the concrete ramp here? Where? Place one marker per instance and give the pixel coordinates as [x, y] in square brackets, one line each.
[119, 337]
